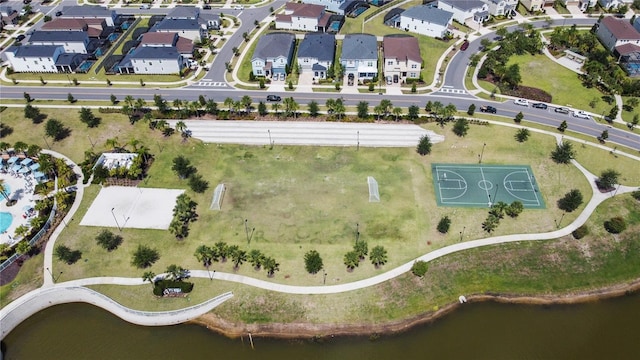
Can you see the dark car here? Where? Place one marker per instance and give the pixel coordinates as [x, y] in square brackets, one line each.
[58, 13]
[206, 7]
[540, 106]
[488, 109]
[464, 45]
[562, 110]
[20, 37]
[273, 98]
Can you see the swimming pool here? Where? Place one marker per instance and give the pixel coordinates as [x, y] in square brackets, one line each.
[113, 36]
[5, 221]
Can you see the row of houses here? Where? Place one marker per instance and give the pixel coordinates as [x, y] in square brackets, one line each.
[83, 32]
[273, 55]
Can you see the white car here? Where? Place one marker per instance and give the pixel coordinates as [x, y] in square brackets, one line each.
[581, 114]
[239, 7]
[521, 102]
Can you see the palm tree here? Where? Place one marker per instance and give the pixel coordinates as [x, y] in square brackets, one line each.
[129, 100]
[238, 258]
[271, 266]
[378, 110]
[229, 103]
[3, 191]
[204, 254]
[246, 102]
[222, 249]
[378, 256]
[340, 108]
[276, 107]
[351, 259]
[386, 106]
[397, 112]
[175, 272]
[140, 104]
[112, 143]
[148, 276]
[33, 150]
[20, 147]
[256, 258]
[22, 231]
[181, 126]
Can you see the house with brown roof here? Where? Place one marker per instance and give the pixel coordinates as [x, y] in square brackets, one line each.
[303, 17]
[95, 28]
[614, 32]
[183, 45]
[402, 58]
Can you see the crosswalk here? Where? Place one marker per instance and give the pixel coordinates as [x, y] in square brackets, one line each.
[452, 90]
[211, 84]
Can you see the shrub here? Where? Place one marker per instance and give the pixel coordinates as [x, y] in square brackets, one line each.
[571, 201]
[108, 240]
[419, 268]
[312, 262]
[161, 285]
[615, 225]
[444, 224]
[144, 257]
[636, 195]
[580, 232]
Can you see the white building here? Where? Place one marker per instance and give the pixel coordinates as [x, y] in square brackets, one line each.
[316, 53]
[426, 20]
[273, 54]
[157, 60]
[29, 58]
[89, 12]
[463, 10]
[360, 56]
[302, 17]
[502, 7]
[402, 58]
[72, 41]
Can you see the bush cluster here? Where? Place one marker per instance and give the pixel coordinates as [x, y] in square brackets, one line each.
[615, 225]
[160, 285]
[580, 232]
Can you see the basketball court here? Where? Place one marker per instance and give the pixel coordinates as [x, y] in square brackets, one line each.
[462, 185]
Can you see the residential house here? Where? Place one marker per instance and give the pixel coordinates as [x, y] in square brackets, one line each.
[184, 46]
[273, 54]
[636, 24]
[9, 16]
[95, 28]
[402, 58]
[303, 17]
[463, 10]
[506, 8]
[90, 12]
[360, 56]
[533, 5]
[188, 28]
[392, 17]
[316, 53]
[340, 7]
[42, 59]
[629, 58]
[614, 32]
[426, 20]
[153, 60]
[613, 4]
[72, 41]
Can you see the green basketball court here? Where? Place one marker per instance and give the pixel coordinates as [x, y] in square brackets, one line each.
[483, 185]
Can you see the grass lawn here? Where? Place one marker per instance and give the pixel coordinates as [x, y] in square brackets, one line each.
[629, 115]
[563, 84]
[598, 160]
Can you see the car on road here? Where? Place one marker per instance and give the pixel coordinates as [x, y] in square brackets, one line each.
[206, 7]
[273, 98]
[542, 106]
[562, 110]
[144, 7]
[521, 102]
[20, 37]
[581, 114]
[239, 7]
[464, 45]
[488, 109]
[58, 13]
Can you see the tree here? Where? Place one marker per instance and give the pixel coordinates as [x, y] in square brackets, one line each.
[312, 262]
[363, 110]
[514, 209]
[228, 102]
[519, 117]
[246, 102]
[563, 126]
[114, 99]
[256, 258]
[175, 272]
[262, 109]
[351, 260]
[108, 240]
[490, 224]
[361, 248]
[314, 109]
[211, 107]
[144, 257]
[55, 130]
[604, 136]
[182, 167]
[419, 268]
[339, 108]
[222, 249]
[87, 117]
[70, 98]
[413, 112]
[615, 225]
[563, 153]
[149, 276]
[27, 97]
[65, 254]
[23, 247]
[608, 179]
[471, 110]
[571, 201]
[205, 255]
[522, 135]
[378, 256]
[291, 107]
[461, 127]
[33, 113]
[198, 184]
[271, 266]
[444, 224]
[397, 112]
[424, 145]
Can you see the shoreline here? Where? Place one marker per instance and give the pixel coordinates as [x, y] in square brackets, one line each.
[318, 331]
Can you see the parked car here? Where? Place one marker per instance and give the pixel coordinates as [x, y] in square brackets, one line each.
[20, 37]
[542, 106]
[282, 76]
[389, 80]
[206, 7]
[488, 109]
[58, 13]
[464, 45]
[562, 110]
[144, 7]
[581, 114]
[238, 7]
[521, 102]
[273, 98]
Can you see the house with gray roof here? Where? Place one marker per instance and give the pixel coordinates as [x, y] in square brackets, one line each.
[360, 56]
[426, 20]
[273, 53]
[89, 12]
[153, 60]
[502, 7]
[463, 10]
[191, 29]
[316, 53]
[72, 41]
[32, 58]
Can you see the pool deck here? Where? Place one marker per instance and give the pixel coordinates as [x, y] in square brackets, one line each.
[19, 187]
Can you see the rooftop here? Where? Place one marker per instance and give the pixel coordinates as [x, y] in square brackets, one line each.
[359, 46]
[401, 47]
[429, 14]
[318, 45]
[620, 28]
[274, 45]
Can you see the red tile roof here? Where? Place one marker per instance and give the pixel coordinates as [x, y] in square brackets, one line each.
[184, 45]
[627, 49]
[305, 10]
[159, 38]
[620, 28]
[401, 48]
